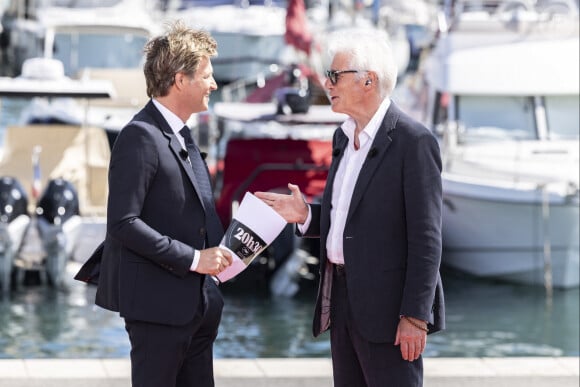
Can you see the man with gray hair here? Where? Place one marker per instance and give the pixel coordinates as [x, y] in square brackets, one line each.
[379, 224]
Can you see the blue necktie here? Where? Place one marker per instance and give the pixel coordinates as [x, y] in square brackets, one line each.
[201, 174]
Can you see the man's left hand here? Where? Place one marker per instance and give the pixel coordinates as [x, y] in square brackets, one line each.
[411, 339]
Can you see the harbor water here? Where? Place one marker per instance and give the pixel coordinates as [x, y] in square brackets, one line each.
[484, 319]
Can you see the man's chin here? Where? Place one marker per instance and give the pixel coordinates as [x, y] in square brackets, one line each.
[202, 107]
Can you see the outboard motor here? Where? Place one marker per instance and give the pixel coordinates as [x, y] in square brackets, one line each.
[58, 222]
[13, 199]
[59, 202]
[292, 101]
[14, 220]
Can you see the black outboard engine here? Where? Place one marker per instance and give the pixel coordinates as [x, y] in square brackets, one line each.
[14, 220]
[13, 199]
[59, 202]
[58, 218]
[290, 100]
[295, 98]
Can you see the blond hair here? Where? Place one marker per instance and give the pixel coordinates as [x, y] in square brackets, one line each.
[179, 50]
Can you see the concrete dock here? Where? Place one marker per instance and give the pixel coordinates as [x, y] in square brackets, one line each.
[298, 372]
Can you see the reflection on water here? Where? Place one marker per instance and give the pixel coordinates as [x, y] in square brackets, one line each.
[262, 326]
[498, 319]
[40, 322]
[483, 319]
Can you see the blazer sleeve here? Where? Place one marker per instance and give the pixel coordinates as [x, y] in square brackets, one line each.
[423, 203]
[313, 230]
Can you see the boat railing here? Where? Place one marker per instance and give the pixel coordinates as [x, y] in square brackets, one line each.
[297, 166]
[263, 164]
[458, 7]
[515, 15]
[456, 132]
[238, 90]
[547, 242]
[545, 190]
[449, 133]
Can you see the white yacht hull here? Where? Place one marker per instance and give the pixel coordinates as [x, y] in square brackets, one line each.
[505, 232]
[509, 140]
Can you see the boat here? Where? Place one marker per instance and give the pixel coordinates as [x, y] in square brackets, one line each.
[57, 173]
[253, 37]
[501, 91]
[92, 40]
[81, 34]
[341, 17]
[14, 221]
[419, 21]
[250, 35]
[263, 145]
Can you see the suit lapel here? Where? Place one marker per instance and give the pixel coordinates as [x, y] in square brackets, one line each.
[376, 153]
[337, 153]
[175, 147]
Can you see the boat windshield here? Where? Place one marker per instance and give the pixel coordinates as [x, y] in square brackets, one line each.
[563, 116]
[497, 117]
[98, 50]
[81, 3]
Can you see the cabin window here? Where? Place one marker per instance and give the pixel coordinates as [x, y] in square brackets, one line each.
[497, 117]
[562, 116]
[78, 51]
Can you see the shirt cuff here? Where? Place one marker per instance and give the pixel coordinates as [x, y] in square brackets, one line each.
[196, 256]
[303, 227]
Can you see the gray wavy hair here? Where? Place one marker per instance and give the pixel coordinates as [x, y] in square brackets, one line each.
[369, 50]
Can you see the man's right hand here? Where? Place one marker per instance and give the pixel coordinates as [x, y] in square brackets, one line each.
[213, 261]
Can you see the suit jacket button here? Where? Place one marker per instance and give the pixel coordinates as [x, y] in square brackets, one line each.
[202, 231]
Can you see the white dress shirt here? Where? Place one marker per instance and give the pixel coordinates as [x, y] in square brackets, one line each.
[176, 124]
[345, 180]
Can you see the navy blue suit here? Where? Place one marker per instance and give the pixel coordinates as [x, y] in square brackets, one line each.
[392, 237]
[155, 220]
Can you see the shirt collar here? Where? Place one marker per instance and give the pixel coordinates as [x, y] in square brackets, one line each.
[372, 127]
[174, 122]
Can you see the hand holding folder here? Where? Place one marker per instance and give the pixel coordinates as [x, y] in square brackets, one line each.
[254, 227]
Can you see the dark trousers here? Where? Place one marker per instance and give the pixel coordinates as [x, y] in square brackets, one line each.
[357, 362]
[168, 356]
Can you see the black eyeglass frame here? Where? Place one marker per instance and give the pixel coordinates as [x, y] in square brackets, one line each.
[332, 75]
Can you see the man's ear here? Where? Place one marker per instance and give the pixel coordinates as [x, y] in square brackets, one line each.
[179, 80]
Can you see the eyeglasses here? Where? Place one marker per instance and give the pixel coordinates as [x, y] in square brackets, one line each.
[332, 75]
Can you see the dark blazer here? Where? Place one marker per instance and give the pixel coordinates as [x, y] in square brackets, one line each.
[392, 237]
[155, 219]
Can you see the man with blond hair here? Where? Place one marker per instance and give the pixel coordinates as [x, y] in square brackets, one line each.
[162, 226]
